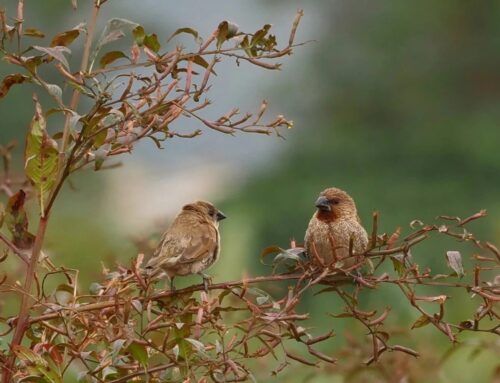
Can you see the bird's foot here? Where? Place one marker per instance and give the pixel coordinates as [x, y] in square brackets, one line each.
[207, 280]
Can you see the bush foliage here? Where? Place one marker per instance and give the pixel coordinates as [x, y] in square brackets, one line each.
[127, 328]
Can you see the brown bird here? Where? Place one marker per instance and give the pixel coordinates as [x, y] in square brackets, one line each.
[332, 228]
[191, 244]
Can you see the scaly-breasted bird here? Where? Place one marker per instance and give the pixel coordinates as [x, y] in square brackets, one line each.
[191, 244]
[332, 228]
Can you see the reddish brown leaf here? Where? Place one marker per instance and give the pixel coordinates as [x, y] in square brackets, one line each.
[10, 80]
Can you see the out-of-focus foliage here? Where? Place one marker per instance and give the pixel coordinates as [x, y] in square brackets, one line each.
[399, 107]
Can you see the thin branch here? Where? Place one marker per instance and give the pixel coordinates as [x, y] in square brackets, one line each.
[14, 249]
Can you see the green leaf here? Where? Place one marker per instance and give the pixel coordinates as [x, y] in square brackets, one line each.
[245, 44]
[182, 330]
[65, 38]
[109, 373]
[49, 375]
[10, 80]
[422, 321]
[109, 57]
[401, 262]
[26, 354]
[151, 41]
[139, 353]
[40, 158]
[190, 31]
[454, 259]
[139, 34]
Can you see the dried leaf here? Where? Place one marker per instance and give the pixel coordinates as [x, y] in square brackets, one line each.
[10, 80]
[65, 38]
[269, 250]
[393, 238]
[32, 32]
[56, 53]
[16, 221]
[222, 32]
[454, 259]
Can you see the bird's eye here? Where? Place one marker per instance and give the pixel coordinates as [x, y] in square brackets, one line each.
[335, 201]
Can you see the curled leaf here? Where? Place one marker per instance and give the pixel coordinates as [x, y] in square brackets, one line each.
[190, 31]
[10, 80]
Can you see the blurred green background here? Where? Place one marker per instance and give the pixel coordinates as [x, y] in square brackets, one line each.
[395, 102]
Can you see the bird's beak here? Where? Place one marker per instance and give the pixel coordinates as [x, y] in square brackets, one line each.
[323, 204]
[220, 216]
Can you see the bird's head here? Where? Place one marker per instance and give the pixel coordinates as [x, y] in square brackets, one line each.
[334, 203]
[206, 210]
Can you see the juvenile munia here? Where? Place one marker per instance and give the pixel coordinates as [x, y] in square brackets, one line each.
[191, 244]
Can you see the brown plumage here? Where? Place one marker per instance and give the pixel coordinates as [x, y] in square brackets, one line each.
[191, 244]
[331, 228]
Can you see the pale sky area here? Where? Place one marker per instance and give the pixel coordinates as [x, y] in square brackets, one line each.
[212, 165]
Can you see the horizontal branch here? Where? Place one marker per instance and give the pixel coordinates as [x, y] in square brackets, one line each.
[187, 290]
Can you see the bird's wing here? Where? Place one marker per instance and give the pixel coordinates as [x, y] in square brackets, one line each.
[201, 242]
[185, 247]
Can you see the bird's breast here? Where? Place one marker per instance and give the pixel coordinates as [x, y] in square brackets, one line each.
[326, 216]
